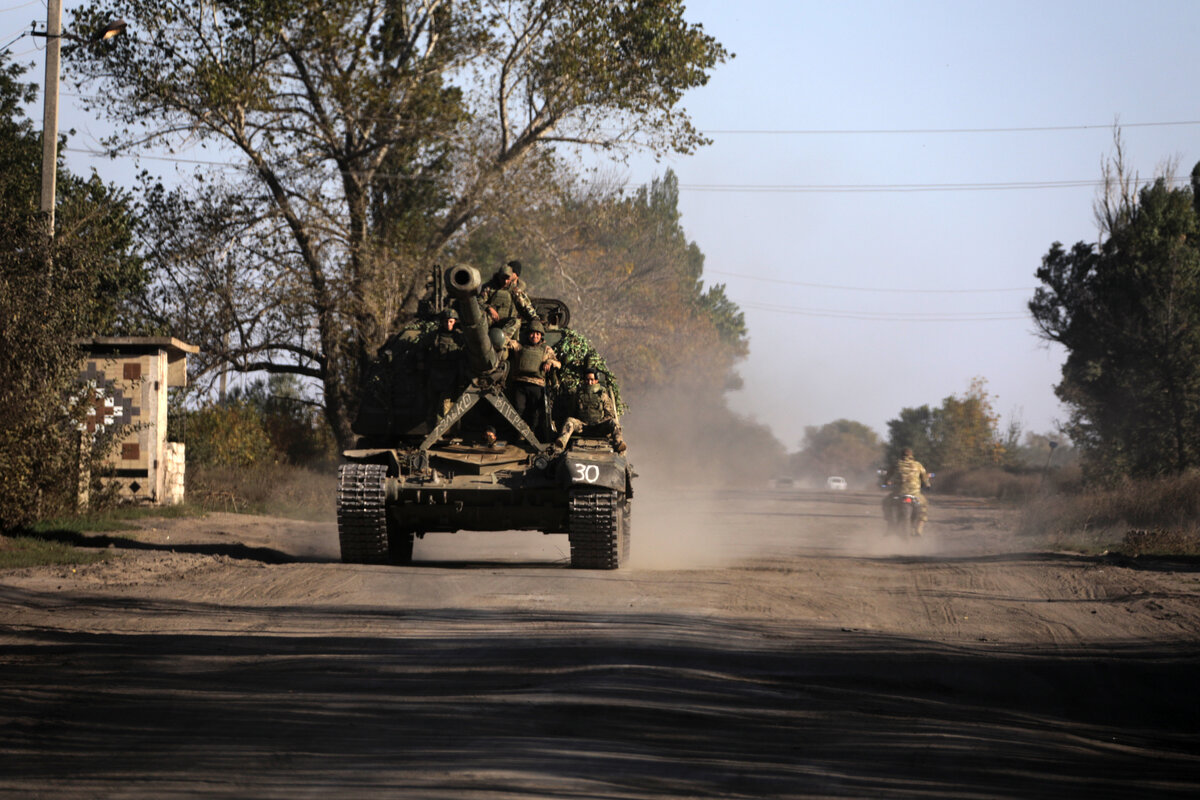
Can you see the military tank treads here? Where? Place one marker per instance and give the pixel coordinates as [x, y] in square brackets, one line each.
[595, 523]
[362, 513]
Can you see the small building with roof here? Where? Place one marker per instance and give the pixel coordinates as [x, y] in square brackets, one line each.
[131, 375]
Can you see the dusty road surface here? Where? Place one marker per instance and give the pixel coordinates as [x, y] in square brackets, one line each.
[767, 644]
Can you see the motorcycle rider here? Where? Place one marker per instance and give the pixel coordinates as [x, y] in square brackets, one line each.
[907, 476]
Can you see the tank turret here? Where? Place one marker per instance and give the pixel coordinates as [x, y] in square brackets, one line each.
[463, 283]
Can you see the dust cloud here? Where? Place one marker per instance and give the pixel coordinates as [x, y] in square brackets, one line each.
[703, 499]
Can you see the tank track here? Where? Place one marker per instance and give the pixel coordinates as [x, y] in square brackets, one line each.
[362, 513]
[595, 529]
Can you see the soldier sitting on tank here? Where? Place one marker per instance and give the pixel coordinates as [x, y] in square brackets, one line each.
[531, 362]
[444, 361]
[505, 303]
[593, 413]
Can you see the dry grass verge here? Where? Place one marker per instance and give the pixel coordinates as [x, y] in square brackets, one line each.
[1148, 517]
[277, 489]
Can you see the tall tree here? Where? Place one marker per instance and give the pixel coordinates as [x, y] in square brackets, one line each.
[842, 447]
[51, 292]
[631, 276]
[962, 433]
[1128, 313]
[371, 134]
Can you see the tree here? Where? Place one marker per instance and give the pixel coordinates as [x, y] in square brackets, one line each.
[842, 447]
[632, 278]
[371, 134]
[1128, 313]
[914, 428]
[51, 293]
[961, 433]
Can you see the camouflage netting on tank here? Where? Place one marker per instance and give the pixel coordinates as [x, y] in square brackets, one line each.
[577, 354]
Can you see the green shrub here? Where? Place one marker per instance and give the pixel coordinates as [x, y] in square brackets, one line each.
[227, 435]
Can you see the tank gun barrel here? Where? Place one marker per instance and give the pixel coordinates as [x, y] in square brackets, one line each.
[463, 282]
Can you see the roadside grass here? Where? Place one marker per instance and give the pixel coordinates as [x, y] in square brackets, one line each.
[34, 551]
[1159, 517]
[274, 489]
[54, 541]
[283, 490]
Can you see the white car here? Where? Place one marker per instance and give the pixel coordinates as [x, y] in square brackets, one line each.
[835, 483]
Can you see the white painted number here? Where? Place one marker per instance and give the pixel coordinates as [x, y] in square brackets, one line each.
[587, 472]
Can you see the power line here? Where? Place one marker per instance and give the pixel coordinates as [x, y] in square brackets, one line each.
[906, 131]
[867, 288]
[706, 187]
[886, 316]
[894, 187]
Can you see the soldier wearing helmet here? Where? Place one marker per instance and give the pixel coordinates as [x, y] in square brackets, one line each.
[505, 301]
[531, 361]
[444, 360]
[593, 413]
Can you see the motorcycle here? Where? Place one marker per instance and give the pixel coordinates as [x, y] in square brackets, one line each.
[902, 512]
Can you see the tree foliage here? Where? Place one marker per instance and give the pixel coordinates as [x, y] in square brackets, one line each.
[842, 447]
[51, 293]
[371, 135]
[1128, 313]
[962, 433]
[623, 263]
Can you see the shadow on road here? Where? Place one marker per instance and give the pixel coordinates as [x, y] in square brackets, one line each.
[266, 555]
[436, 704]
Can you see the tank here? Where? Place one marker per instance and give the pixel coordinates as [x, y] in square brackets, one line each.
[419, 467]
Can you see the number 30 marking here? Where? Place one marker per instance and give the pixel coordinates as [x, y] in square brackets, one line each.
[587, 472]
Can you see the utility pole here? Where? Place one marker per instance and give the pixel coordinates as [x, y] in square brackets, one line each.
[50, 111]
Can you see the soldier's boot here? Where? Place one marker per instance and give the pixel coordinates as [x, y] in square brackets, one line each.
[919, 528]
[620, 446]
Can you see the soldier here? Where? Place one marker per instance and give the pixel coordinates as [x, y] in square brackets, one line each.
[593, 414]
[907, 476]
[506, 303]
[530, 363]
[444, 360]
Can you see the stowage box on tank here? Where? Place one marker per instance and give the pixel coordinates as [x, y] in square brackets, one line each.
[422, 468]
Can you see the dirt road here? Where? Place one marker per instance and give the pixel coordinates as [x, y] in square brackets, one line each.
[768, 644]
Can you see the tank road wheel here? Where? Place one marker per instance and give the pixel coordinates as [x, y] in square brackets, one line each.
[595, 528]
[362, 513]
[626, 529]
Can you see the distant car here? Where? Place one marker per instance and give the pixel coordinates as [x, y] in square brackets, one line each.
[835, 483]
[782, 483]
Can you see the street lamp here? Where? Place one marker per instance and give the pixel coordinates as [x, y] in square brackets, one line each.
[54, 36]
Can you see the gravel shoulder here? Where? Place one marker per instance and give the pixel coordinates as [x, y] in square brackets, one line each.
[761, 644]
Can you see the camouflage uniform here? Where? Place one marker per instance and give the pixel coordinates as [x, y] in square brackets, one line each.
[593, 414]
[509, 300]
[444, 359]
[907, 476]
[528, 379]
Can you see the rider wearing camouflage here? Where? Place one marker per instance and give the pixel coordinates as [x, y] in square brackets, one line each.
[907, 476]
[593, 414]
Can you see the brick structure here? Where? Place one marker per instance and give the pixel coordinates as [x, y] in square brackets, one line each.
[135, 371]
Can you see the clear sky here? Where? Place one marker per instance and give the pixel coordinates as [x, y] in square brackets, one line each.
[828, 68]
[857, 94]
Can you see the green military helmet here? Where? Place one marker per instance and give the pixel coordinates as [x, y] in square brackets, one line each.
[449, 313]
[497, 337]
[536, 326]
